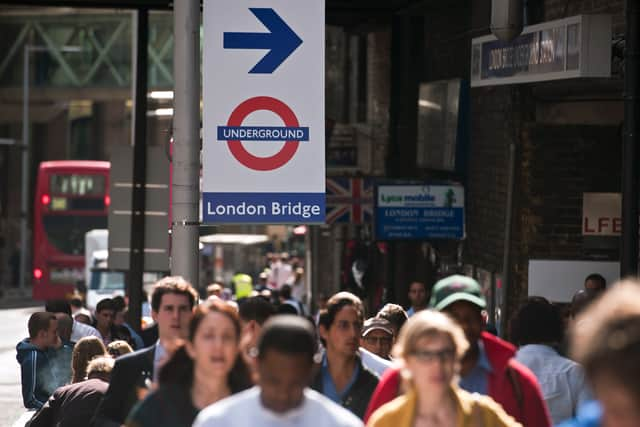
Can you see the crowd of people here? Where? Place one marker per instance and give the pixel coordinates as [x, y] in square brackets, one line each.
[263, 360]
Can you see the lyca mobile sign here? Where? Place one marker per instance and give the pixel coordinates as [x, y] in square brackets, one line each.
[263, 94]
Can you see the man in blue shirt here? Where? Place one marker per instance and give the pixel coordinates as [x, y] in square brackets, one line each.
[342, 377]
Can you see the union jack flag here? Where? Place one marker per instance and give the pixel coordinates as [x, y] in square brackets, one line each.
[349, 200]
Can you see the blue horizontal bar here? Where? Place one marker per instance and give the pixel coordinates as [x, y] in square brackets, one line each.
[263, 133]
[263, 208]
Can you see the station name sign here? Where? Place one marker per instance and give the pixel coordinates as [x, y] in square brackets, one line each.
[263, 112]
[579, 46]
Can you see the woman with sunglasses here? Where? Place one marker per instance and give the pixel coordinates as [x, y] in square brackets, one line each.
[430, 348]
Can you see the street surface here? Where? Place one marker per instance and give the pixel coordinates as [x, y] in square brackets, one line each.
[13, 328]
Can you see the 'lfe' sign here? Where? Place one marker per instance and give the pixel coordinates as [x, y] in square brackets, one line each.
[601, 214]
[263, 119]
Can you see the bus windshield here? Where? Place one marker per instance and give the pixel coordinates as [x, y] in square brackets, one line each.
[66, 232]
[77, 185]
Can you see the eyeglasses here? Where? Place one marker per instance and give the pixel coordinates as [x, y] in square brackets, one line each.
[378, 340]
[446, 355]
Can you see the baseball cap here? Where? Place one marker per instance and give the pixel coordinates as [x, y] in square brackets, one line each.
[376, 323]
[456, 288]
[83, 311]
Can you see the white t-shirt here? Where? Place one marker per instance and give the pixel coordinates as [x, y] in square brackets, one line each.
[245, 410]
[280, 273]
[81, 330]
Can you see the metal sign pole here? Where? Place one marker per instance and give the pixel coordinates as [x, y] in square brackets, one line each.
[24, 202]
[138, 211]
[186, 136]
[629, 255]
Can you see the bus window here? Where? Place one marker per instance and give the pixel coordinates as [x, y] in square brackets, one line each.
[77, 185]
[67, 233]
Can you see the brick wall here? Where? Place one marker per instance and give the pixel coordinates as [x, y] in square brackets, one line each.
[555, 164]
[491, 133]
[557, 9]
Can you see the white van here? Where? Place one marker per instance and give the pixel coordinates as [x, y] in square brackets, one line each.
[105, 283]
[101, 282]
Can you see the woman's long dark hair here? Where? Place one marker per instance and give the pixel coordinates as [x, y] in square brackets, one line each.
[179, 368]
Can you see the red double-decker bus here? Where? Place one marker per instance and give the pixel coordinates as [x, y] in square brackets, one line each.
[71, 199]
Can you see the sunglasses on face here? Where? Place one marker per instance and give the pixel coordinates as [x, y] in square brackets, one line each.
[377, 340]
[446, 355]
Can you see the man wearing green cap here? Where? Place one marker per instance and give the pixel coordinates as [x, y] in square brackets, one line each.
[461, 298]
[488, 367]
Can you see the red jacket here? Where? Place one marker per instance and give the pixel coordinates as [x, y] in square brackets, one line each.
[523, 400]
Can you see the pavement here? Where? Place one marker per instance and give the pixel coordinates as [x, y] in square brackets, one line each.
[20, 422]
[13, 328]
[13, 298]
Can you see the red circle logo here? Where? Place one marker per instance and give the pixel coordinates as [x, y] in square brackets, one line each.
[241, 154]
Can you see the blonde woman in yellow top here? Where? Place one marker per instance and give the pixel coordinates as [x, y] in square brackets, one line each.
[430, 348]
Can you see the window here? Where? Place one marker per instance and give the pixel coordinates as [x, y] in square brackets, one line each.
[438, 107]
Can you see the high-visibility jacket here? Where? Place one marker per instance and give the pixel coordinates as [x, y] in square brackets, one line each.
[243, 285]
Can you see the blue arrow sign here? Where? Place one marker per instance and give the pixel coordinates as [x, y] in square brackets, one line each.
[281, 41]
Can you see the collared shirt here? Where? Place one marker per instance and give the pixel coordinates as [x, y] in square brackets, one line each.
[477, 380]
[373, 362]
[158, 359]
[80, 330]
[328, 386]
[561, 380]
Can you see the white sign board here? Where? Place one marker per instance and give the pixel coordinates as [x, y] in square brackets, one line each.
[558, 280]
[578, 46]
[601, 214]
[263, 119]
